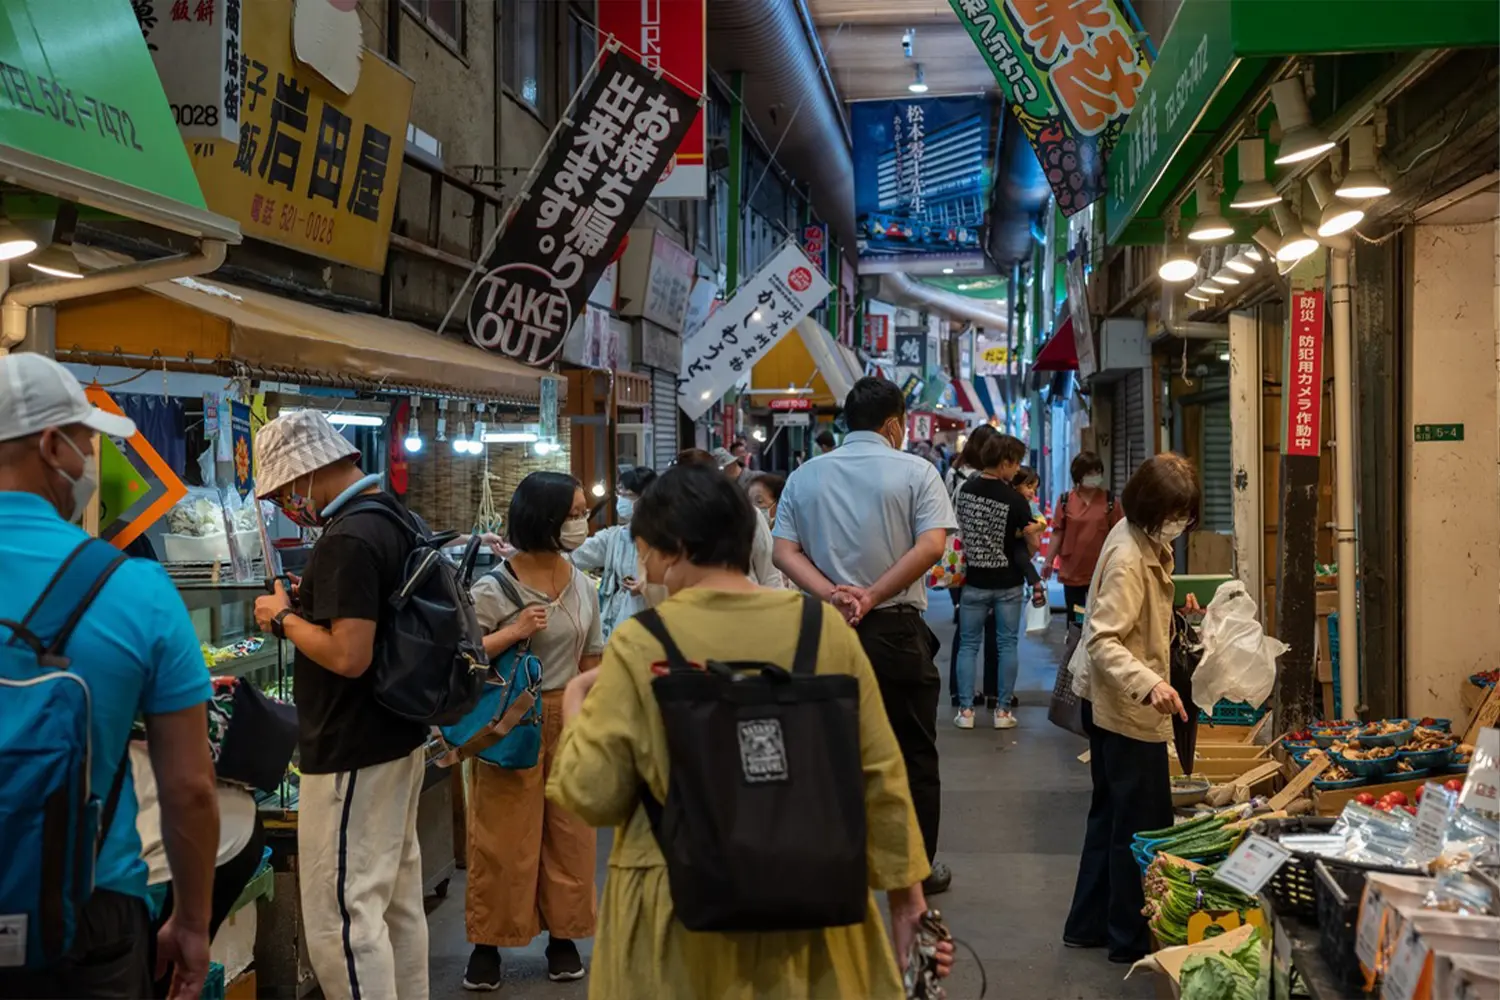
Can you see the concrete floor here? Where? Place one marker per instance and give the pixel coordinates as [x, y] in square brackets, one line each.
[1014, 804]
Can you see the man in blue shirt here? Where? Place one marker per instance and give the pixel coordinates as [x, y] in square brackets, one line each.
[860, 526]
[136, 649]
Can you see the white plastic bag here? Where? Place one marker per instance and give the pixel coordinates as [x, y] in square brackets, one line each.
[1038, 617]
[1239, 659]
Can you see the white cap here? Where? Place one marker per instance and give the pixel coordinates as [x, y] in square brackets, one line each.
[293, 445]
[37, 392]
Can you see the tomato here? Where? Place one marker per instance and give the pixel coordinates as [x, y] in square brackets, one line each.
[1397, 798]
[1419, 792]
[1384, 805]
[1411, 809]
[1365, 799]
[1454, 785]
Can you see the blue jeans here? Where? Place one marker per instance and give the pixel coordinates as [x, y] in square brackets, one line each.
[973, 608]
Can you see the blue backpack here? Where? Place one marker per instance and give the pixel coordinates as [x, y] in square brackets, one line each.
[51, 822]
[505, 728]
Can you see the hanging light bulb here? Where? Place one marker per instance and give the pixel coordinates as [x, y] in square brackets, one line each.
[56, 262]
[1338, 216]
[918, 84]
[1197, 296]
[1226, 276]
[14, 241]
[1177, 265]
[1254, 190]
[1209, 225]
[1253, 254]
[1300, 139]
[1239, 260]
[1362, 181]
[461, 441]
[413, 442]
[1295, 242]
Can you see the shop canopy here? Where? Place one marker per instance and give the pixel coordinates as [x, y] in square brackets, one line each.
[192, 323]
[83, 117]
[808, 357]
[989, 396]
[968, 397]
[1216, 58]
[1060, 352]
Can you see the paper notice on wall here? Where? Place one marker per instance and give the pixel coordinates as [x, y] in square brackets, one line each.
[1481, 790]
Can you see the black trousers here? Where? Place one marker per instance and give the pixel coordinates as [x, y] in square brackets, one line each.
[1076, 597]
[1132, 792]
[991, 658]
[901, 649]
[110, 958]
[230, 880]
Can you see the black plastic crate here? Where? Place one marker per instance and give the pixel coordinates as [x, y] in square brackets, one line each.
[1293, 889]
[1340, 891]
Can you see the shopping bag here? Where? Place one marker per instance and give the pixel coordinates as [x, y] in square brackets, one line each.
[951, 569]
[1065, 710]
[1038, 617]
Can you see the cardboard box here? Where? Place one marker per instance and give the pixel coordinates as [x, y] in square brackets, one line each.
[1169, 961]
[1210, 733]
[1331, 803]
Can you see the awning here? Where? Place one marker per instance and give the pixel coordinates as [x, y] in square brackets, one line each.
[1217, 55]
[86, 119]
[989, 396]
[968, 396]
[812, 359]
[241, 329]
[1060, 352]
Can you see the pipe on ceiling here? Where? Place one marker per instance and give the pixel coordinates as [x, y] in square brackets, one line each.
[1020, 195]
[1173, 325]
[768, 42]
[902, 288]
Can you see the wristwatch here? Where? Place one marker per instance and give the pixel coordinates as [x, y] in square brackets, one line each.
[278, 623]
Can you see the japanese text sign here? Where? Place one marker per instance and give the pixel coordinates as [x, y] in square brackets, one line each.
[922, 171]
[815, 245]
[669, 283]
[670, 35]
[312, 169]
[196, 47]
[877, 334]
[1071, 72]
[911, 350]
[740, 332]
[1302, 376]
[590, 186]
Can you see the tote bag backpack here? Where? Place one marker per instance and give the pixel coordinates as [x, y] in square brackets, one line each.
[763, 827]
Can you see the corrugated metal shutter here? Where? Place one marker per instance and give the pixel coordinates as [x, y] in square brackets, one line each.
[1119, 457]
[1218, 469]
[1129, 442]
[663, 417]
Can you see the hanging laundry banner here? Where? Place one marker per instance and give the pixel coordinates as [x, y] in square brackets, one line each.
[239, 433]
[1071, 72]
[592, 183]
[740, 332]
[921, 180]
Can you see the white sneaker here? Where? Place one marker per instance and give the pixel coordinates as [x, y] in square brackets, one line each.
[1004, 720]
[964, 719]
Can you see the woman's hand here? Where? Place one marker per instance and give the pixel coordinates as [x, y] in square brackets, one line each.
[634, 585]
[577, 690]
[907, 906]
[531, 621]
[1164, 699]
[1191, 605]
[1039, 595]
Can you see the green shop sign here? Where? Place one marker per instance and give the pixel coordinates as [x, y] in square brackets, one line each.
[79, 95]
[1218, 52]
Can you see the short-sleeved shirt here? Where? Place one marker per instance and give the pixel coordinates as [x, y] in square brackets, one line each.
[353, 571]
[135, 647]
[858, 509]
[573, 628]
[991, 517]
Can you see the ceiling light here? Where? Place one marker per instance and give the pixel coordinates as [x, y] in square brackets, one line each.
[759, 433]
[1300, 139]
[1362, 181]
[1242, 261]
[1224, 276]
[14, 242]
[1254, 191]
[1209, 283]
[1209, 225]
[1223, 355]
[947, 270]
[1253, 254]
[510, 437]
[413, 442]
[1338, 216]
[1177, 266]
[356, 419]
[57, 262]
[919, 84]
[598, 489]
[1295, 242]
[1197, 296]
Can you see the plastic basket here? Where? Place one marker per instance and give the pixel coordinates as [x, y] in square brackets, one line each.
[213, 986]
[1339, 891]
[1396, 739]
[1334, 786]
[1377, 768]
[1232, 713]
[1420, 759]
[1336, 734]
[1293, 889]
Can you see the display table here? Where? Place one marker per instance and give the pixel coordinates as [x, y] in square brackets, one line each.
[1295, 948]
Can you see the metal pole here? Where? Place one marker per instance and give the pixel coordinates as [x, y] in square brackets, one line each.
[736, 182]
[1343, 470]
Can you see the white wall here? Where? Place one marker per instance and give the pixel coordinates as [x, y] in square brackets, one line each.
[1452, 488]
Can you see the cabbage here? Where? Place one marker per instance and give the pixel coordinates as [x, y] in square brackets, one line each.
[1224, 976]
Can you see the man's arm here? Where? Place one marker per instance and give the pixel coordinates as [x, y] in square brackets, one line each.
[345, 648]
[910, 568]
[792, 561]
[178, 742]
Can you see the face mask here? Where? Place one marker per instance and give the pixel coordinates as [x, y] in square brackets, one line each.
[83, 487]
[575, 531]
[300, 509]
[1172, 530]
[624, 507]
[1093, 482]
[766, 515]
[900, 442]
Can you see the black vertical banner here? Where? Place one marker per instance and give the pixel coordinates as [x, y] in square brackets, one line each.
[593, 183]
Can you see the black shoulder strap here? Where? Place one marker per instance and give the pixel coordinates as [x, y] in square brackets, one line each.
[1062, 510]
[113, 799]
[805, 662]
[651, 621]
[502, 576]
[1110, 501]
[366, 504]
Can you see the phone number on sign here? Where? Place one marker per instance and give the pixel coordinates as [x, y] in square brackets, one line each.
[316, 227]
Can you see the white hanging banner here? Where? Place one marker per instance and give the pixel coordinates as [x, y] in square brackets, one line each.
[739, 333]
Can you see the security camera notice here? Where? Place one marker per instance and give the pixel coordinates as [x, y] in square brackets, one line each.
[591, 184]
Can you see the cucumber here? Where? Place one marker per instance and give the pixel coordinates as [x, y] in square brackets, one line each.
[1173, 831]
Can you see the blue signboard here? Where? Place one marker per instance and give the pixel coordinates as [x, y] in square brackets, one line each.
[922, 173]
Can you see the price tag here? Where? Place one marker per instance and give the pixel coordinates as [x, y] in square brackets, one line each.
[1405, 971]
[1251, 865]
[1432, 822]
[1367, 937]
[1482, 786]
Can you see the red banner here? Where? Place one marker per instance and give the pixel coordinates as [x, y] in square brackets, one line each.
[1302, 377]
[877, 334]
[670, 35]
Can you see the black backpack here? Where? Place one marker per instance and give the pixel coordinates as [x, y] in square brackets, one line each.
[763, 828]
[429, 664]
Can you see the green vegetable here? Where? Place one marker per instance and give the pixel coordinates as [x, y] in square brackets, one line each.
[1180, 828]
[1231, 976]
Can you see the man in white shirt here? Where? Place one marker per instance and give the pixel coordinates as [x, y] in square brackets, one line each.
[860, 527]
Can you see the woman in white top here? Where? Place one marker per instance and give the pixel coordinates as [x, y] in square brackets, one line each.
[531, 862]
[610, 553]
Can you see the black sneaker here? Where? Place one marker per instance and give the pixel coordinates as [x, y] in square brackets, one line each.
[563, 961]
[939, 881]
[483, 972]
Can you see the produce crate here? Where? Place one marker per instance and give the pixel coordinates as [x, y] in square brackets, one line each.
[1339, 893]
[1292, 887]
[213, 986]
[1232, 713]
[1331, 802]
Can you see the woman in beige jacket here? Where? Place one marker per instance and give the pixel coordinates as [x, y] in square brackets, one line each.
[1121, 674]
